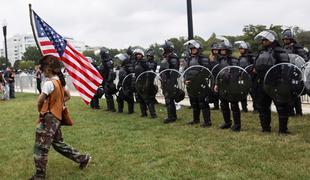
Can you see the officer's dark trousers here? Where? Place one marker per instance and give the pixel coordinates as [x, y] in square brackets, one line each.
[129, 98]
[110, 102]
[235, 111]
[171, 109]
[200, 104]
[264, 104]
[295, 107]
[244, 104]
[254, 101]
[215, 100]
[94, 103]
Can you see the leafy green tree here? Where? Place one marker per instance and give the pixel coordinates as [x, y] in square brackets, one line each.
[32, 54]
[26, 65]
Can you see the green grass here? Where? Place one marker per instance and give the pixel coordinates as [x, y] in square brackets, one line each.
[129, 147]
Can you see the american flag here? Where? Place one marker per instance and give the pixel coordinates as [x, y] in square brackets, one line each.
[85, 77]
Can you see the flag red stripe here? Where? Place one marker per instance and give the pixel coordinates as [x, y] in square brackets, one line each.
[87, 76]
[90, 68]
[76, 77]
[49, 51]
[46, 43]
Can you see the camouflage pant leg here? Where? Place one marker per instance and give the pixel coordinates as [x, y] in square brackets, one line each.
[65, 149]
[43, 140]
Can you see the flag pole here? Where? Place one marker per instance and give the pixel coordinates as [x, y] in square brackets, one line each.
[33, 31]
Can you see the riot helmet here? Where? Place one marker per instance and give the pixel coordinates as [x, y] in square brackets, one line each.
[168, 47]
[138, 53]
[194, 47]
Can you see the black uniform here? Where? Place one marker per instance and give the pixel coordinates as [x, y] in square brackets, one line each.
[170, 61]
[266, 58]
[214, 98]
[225, 61]
[201, 103]
[126, 93]
[296, 107]
[108, 74]
[244, 61]
[94, 103]
[145, 103]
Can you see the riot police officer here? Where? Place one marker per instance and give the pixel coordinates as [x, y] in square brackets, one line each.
[151, 64]
[94, 103]
[170, 61]
[292, 47]
[270, 54]
[108, 74]
[246, 59]
[141, 66]
[125, 93]
[198, 103]
[214, 98]
[226, 59]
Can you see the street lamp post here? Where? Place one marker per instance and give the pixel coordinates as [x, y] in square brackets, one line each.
[190, 20]
[4, 28]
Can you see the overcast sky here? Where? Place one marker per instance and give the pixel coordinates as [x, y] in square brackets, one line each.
[120, 23]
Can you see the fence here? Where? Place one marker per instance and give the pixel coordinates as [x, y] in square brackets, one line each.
[27, 83]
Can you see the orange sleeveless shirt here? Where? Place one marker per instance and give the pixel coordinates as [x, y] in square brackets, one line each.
[55, 101]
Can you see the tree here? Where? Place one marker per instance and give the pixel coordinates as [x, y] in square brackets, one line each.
[304, 38]
[26, 65]
[32, 54]
[3, 63]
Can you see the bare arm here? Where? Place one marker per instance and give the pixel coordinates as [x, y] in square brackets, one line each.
[41, 100]
[67, 95]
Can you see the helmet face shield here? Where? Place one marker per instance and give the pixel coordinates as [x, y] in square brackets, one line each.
[287, 34]
[138, 51]
[268, 35]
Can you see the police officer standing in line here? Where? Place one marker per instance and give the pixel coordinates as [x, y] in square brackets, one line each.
[225, 59]
[140, 67]
[198, 103]
[94, 103]
[292, 47]
[152, 66]
[270, 54]
[126, 93]
[214, 61]
[170, 61]
[246, 59]
[107, 72]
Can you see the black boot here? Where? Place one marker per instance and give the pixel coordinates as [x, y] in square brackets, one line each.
[130, 108]
[298, 107]
[265, 121]
[120, 105]
[196, 119]
[227, 120]
[143, 109]
[237, 121]
[283, 125]
[206, 118]
[110, 105]
[171, 112]
[152, 110]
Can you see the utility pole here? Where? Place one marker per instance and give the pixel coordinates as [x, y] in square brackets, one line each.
[190, 20]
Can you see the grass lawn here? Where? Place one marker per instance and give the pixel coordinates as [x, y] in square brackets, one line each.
[129, 147]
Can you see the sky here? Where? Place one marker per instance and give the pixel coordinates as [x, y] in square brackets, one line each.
[120, 23]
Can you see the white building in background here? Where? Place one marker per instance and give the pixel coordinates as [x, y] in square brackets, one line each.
[18, 44]
[78, 45]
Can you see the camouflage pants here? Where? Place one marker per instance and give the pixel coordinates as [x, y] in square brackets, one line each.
[49, 133]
